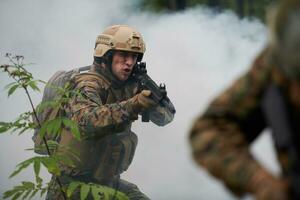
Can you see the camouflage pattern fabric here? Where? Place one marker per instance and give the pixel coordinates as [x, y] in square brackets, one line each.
[129, 189]
[220, 138]
[104, 115]
[105, 106]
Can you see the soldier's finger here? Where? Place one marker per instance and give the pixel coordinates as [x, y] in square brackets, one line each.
[146, 93]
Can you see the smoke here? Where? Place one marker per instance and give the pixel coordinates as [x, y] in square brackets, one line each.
[197, 53]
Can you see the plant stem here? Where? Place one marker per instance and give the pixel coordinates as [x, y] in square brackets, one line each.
[44, 140]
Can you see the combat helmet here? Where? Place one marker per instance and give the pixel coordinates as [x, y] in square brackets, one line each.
[120, 37]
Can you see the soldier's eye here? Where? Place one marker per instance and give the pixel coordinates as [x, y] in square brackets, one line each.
[134, 56]
[123, 54]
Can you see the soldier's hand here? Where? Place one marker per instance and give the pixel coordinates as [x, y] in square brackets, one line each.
[272, 190]
[141, 102]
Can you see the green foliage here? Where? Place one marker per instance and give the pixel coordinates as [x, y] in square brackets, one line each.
[12, 88]
[43, 106]
[249, 8]
[23, 78]
[98, 192]
[50, 162]
[53, 127]
[49, 129]
[27, 190]
[72, 187]
[54, 145]
[22, 123]
[154, 5]
[72, 126]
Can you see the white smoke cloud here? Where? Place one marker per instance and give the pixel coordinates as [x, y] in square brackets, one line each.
[196, 53]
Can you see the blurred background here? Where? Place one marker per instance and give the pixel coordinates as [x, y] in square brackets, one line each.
[197, 48]
[243, 8]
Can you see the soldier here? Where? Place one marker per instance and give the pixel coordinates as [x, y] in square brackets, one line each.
[268, 95]
[113, 99]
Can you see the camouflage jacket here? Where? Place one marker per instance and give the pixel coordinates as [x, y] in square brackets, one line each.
[104, 117]
[220, 137]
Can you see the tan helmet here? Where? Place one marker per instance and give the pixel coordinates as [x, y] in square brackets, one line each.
[120, 37]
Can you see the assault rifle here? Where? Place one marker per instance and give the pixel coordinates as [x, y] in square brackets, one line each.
[158, 93]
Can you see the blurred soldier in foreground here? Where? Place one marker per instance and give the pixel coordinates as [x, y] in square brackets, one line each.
[268, 95]
[113, 99]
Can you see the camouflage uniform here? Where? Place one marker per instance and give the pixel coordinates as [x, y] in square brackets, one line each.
[221, 137]
[104, 112]
[104, 115]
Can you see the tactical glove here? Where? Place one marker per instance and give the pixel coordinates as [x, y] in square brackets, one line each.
[139, 103]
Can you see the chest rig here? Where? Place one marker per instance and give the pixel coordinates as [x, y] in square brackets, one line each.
[107, 156]
[116, 151]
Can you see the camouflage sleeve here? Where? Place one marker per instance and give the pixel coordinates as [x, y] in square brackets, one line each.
[220, 138]
[161, 116]
[91, 114]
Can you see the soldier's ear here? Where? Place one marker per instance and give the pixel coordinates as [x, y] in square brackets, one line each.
[107, 58]
[98, 60]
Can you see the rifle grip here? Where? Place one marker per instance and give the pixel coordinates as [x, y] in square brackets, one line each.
[146, 116]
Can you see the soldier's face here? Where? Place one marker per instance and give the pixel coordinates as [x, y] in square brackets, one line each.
[122, 64]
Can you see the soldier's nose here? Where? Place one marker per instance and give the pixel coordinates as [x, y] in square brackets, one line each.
[129, 60]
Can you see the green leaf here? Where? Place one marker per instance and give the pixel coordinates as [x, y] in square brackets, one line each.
[25, 188]
[39, 182]
[23, 130]
[33, 193]
[9, 193]
[58, 90]
[12, 89]
[121, 196]
[10, 85]
[97, 192]
[51, 144]
[73, 127]
[28, 185]
[72, 187]
[84, 191]
[33, 85]
[43, 130]
[55, 126]
[49, 127]
[43, 191]
[17, 195]
[75, 131]
[41, 81]
[107, 193]
[66, 160]
[4, 127]
[21, 166]
[51, 165]
[68, 153]
[46, 105]
[26, 194]
[52, 127]
[37, 167]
